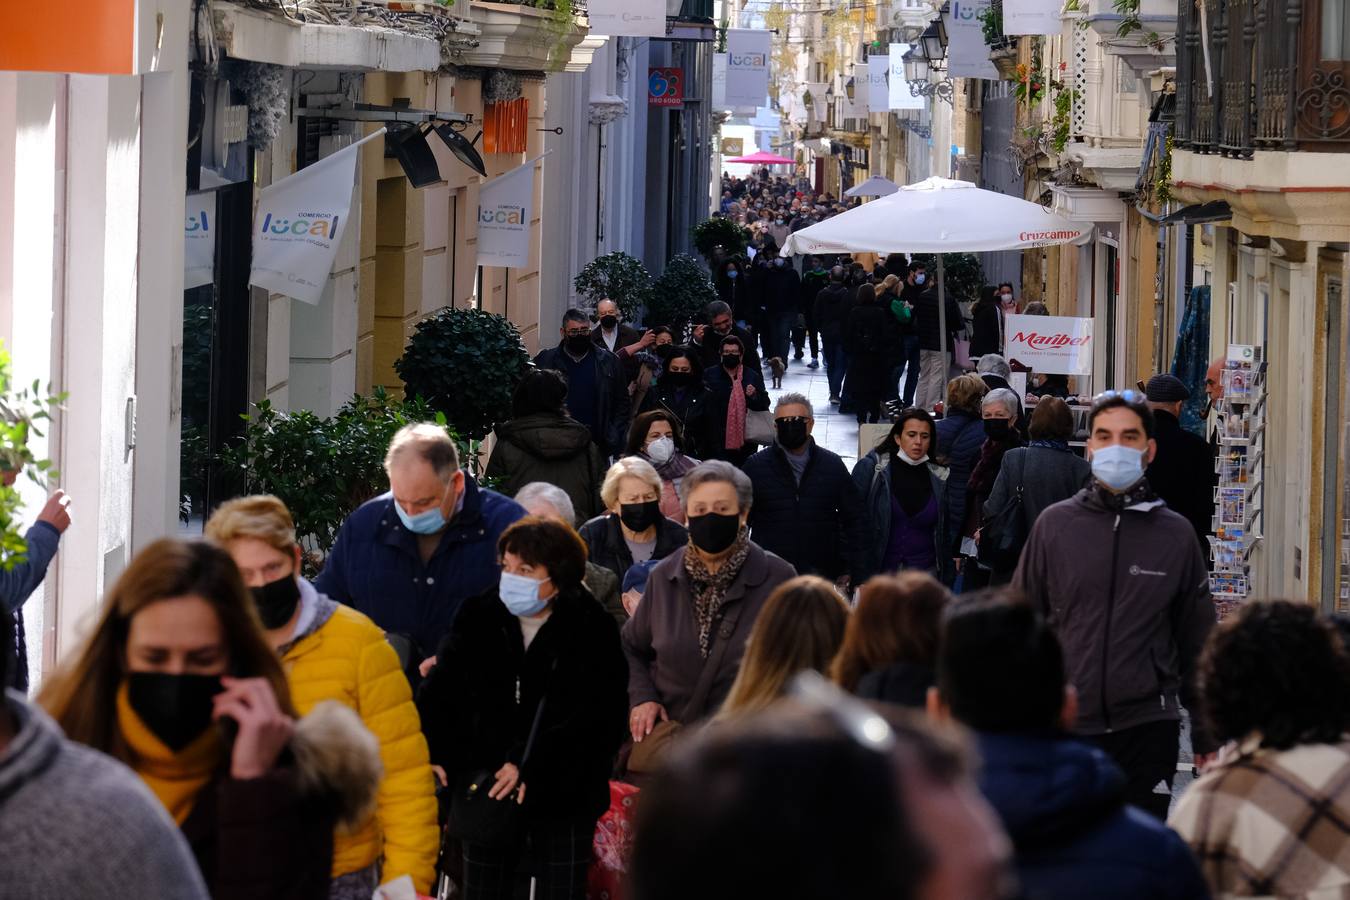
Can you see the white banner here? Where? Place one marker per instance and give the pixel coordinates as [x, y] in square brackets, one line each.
[855, 107]
[1032, 16]
[900, 95]
[199, 240]
[719, 81]
[627, 18]
[967, 53]
[300, 221]
[878, 94]
[1050, 345]
[819, 102]
[747, 67]
[504, 218]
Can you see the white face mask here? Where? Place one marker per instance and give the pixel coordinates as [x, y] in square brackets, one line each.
[906, 458]
[1007, 298]
[661, 450]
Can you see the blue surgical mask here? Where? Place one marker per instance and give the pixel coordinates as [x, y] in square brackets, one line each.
[429, 522]
[520, 595]
[1117, 466]
[920, 278]
[733, 274]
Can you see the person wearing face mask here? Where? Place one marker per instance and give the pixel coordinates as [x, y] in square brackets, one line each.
[734, 390]
[680, 391]
[685, 643]
[177, 681]
[923, 296]
[1006, 299]
[782, 305]
[999, 410]
[779, 228]
[527, 700]
[832, 306]
[656, 437]
[552, 502]
[904, 496]
[332, 652]
[806, 507]
[409, 557]
[707, 339]
[987, 323]
[1124, 585]
[541, 442]
[597, 383]
[734, 289]
[634, 530]
[610, 332]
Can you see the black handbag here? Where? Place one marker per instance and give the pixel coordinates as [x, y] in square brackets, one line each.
[1005, 532]
[476, 818]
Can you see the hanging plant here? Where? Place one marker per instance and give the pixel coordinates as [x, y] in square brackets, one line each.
[1162, 184]
[1062, 121]
[1129, 21]
[267, 92]
[501, 86]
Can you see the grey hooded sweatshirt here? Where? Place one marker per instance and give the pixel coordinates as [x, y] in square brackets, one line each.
[80, 824]
[1127, 592]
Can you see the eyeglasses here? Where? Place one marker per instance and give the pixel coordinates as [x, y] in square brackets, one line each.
[1129, 396]
[577, 332]
[802, 419]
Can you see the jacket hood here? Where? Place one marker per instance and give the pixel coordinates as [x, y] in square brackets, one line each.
[36, 740]
[1048, 787]
[337, 759]
[547, 437]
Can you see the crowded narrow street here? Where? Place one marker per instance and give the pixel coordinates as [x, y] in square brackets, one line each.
[674, 450]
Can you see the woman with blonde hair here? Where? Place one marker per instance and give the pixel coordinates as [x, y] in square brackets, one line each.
[890, 647]
[801, 627]
[634, 530]
[333, 652]
[178, 682]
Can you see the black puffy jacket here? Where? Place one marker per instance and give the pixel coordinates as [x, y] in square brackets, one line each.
[927, 323]
[553, 448]
[818, 526]
[833, 304]
[479, 702]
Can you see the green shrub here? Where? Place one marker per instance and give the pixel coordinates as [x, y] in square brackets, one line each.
[618, 277]
[731, 237]
[963, 276]
[465, 363]
[21, 412]
[681, 294]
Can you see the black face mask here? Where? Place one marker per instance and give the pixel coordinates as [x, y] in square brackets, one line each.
[731, 360]
[997, 429]
[640, 516]
[176, 708]
[609, 322]
[678, 379]
[276, 601]
[714, 532]
[578, 344]
[665, 351]
[792, 433]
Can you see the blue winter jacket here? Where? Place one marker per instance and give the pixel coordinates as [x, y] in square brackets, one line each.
[959, 439]
[375, 566]
[1061, 802]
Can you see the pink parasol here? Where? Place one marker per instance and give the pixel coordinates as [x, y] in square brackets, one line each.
[763, 158]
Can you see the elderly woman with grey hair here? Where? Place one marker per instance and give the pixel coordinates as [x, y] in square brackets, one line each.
[550, 501]
[1000, 409]
[685, 642]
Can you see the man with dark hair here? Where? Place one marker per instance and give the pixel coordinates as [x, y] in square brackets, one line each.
[1001, 673]
[78, 823]
[1122, 582]
[1272, 817]
[597, 388]
[813, 804]
[708, 338]
[1183, 471]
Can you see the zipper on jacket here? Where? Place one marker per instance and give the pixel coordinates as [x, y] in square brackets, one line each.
[1110, 609]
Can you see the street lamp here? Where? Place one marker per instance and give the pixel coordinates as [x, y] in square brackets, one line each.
[933, 43]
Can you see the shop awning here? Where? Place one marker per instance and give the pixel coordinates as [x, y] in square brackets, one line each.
[1197, 213]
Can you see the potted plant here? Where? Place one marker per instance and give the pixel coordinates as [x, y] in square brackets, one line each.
[1002, 49]
[681, 294]
[719, 238]
[615, 276]
[465, 363]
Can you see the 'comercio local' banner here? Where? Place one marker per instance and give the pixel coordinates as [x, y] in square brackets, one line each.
[299, 223]
[504, 218]
[1051, 345]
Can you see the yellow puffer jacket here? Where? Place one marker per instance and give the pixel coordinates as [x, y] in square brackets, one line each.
[345, 657]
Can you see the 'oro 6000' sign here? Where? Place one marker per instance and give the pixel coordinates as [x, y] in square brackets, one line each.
[665, 86]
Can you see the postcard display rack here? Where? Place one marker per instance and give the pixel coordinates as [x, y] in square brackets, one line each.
[1240, 465]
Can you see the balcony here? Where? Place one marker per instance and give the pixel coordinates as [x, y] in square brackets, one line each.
[523, 37]
[1274, 78]
[1149, 39]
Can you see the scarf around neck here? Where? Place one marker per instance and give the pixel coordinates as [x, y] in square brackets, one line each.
[710, 588]
[177, 779]
[1062, 446]
[672, 469]
[911, 485]
[736, 410]
[1140, 495]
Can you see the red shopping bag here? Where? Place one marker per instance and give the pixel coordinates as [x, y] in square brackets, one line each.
[613, 843]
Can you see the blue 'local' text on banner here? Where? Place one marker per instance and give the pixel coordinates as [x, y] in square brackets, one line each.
[747, 67]
[504, 218]
[967, 53]
[199, 240]
[901, 96]
[300, 221]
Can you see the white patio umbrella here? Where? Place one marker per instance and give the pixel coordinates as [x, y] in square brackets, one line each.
[876, 186]
[938, 215]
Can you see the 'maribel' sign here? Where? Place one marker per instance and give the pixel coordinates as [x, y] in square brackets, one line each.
[1051, 345]
[299, 223]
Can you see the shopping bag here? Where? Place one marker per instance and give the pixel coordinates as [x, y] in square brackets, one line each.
[962, 349]
[613, 844]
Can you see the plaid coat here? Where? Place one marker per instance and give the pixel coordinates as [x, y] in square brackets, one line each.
[1272, 823]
